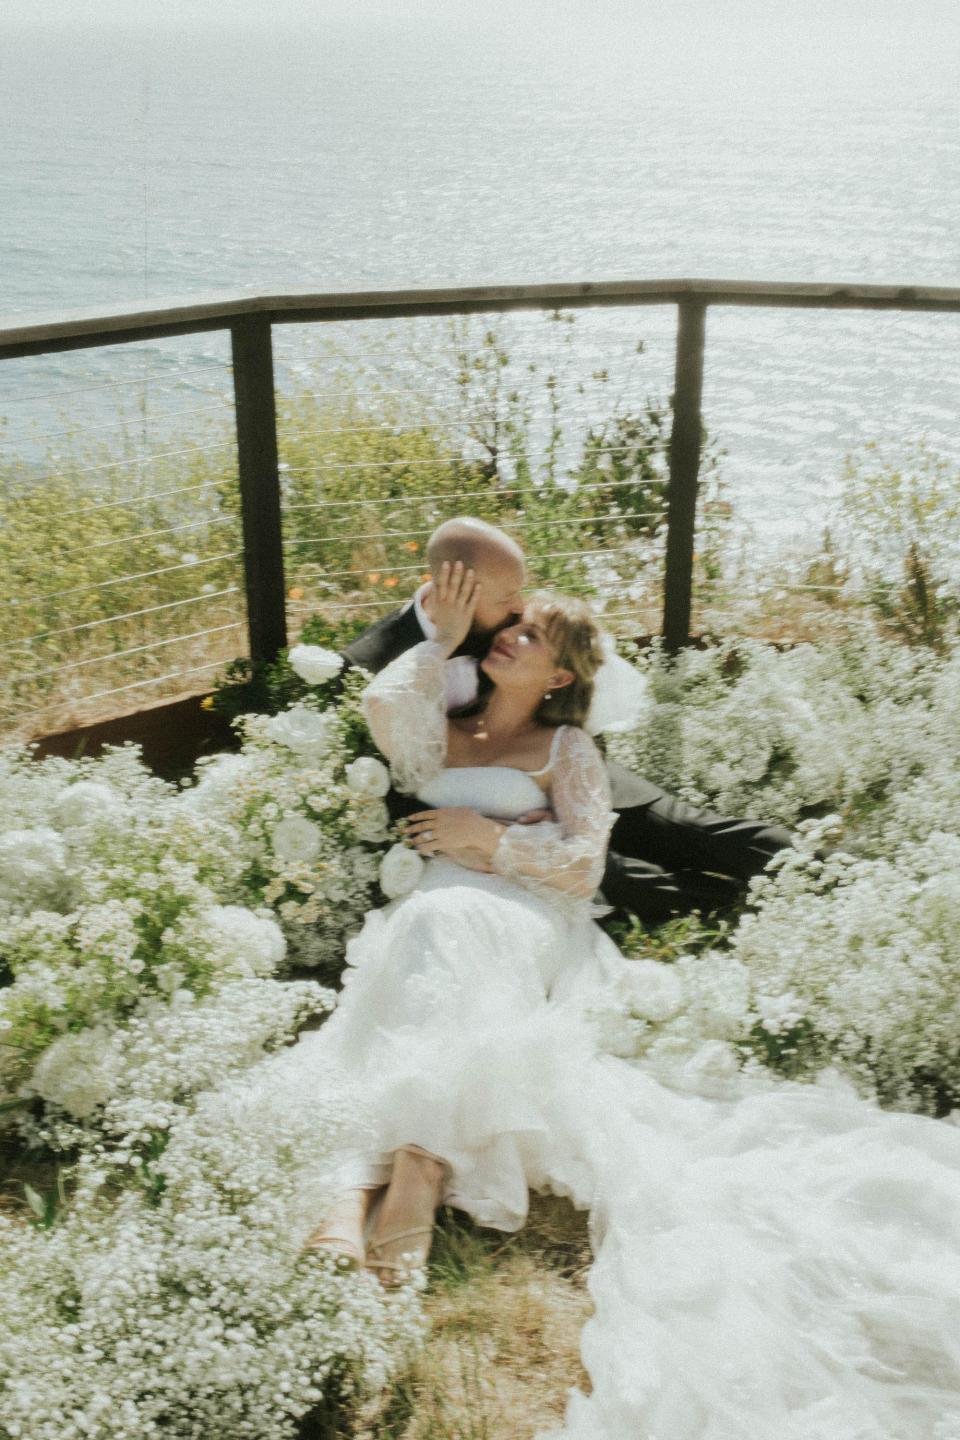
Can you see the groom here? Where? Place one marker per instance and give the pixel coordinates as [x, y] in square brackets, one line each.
[665, 857]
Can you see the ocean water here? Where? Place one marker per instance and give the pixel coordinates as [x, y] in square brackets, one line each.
[172, 152]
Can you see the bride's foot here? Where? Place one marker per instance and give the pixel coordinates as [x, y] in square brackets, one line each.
[341, 1232]
[401, 1239]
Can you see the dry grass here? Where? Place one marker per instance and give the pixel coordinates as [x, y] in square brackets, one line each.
[506, 1314]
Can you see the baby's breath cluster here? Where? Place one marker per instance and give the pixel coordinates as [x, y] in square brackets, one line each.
[182, 1306]
[144, 1036]
[847, 960]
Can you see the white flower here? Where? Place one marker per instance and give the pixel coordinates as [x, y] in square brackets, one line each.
[715, 1063]
[296, 839]
[368, 776]
[656, 990]
[78, 1071]
[314, 664]
[32, 866]
[256, 941]
[371, 820]
[303, 730]
[779, 1012]
[400, 870]
[84, 802]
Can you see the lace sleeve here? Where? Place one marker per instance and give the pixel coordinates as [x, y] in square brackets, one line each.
[567, 859]
[405, 706]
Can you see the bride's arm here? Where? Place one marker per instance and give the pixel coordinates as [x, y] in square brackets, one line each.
[570, 855]
[405, 706]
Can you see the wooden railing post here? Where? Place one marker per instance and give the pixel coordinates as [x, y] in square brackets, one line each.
[256, 417]
[684, 471]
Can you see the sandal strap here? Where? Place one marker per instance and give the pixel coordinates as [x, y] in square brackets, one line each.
[398, 1235]
[331, 1241]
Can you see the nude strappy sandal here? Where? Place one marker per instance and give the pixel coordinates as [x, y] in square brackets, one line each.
[400, 1270]
[328, 1238]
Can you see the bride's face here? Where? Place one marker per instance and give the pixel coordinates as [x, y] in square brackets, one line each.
[521, 657]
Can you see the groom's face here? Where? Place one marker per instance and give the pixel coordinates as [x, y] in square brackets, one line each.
[501, 595]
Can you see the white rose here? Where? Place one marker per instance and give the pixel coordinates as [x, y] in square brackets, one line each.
[656, 991]
[368, 776]
[296, 839]
[301, 729]
[400, 870]
[371, 820]
[314, 664]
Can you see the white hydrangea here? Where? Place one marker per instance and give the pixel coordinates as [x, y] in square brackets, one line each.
[255, 941]
[78, 1071]
[33, 868]
[88, 802]
[655, 990]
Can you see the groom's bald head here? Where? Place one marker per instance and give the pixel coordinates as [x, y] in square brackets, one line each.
[496, 559]
[475, 542]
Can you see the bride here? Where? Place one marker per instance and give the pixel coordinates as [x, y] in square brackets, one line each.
[783, 1264]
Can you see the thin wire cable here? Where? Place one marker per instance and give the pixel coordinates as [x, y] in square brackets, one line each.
[117, 690]
[122, 654]
[514, 525]
[137, 460]
[386, 604]
[116, 619]
[148, 535]
[483, 494]
[119, 424]
[124, 579]
[416, 462]
[224, 366]
[93, 508]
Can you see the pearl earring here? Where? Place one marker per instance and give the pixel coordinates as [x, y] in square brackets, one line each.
[548, 695]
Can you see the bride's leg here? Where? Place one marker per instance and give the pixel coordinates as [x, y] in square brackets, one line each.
[404, 1224]
[342, 1228]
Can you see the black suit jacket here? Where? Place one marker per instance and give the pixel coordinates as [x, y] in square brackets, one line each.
[384, 641]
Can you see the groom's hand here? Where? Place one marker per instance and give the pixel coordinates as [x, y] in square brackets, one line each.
[453, 602]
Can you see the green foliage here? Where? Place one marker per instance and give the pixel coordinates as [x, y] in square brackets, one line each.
[901, 523]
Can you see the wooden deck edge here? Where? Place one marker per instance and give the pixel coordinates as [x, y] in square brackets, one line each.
[172, 734]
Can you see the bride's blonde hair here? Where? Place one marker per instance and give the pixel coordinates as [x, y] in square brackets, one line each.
[574, 638]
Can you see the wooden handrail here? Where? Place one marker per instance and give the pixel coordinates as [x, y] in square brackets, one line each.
[117, 325]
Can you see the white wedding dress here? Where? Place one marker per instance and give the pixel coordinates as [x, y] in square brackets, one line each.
[783, 1266]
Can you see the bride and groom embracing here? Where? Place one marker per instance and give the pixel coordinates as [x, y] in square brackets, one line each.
[768, 1265]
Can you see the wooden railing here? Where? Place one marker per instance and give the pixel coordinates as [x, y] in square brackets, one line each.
[250, 320]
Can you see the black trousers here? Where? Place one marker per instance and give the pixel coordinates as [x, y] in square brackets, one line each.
[666, 857]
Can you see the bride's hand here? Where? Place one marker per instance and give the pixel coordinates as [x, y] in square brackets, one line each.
[453, 601]
[458, 833]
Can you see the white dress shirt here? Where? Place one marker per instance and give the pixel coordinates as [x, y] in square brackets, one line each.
[460, 673]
